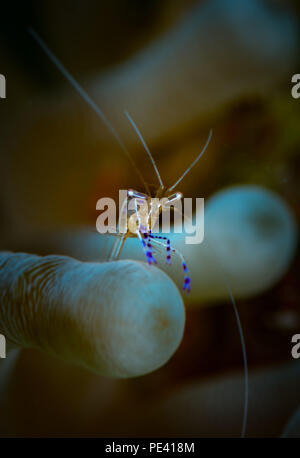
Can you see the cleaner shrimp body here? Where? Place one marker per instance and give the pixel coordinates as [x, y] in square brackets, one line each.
[147, 211]
[145, 215]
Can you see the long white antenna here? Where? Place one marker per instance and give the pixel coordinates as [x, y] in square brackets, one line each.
[193, 163]
[85, 96]
[220, 268]
[145, 146]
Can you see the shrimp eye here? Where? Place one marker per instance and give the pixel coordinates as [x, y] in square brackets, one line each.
[136, 194]
[173, 198]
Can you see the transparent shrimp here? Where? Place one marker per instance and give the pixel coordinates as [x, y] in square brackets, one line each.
[149, 241]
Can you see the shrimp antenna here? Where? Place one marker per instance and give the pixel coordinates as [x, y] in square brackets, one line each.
[244, 353]
[86, 98]
[145, 146]
[193, 163]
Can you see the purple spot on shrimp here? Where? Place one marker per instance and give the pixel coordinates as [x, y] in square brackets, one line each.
[186, 286]
[150, 258]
